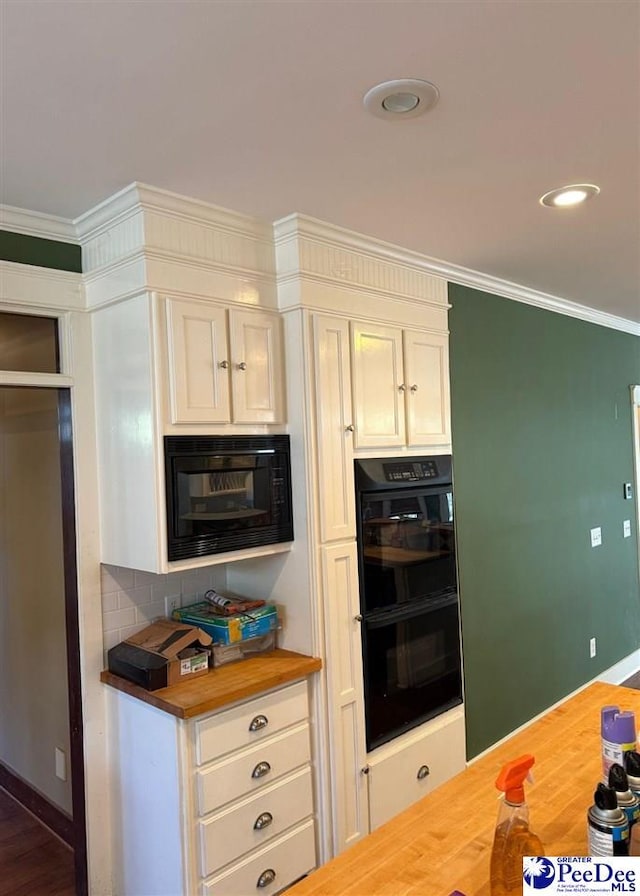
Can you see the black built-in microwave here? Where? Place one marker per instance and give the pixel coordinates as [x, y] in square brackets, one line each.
[226, 493]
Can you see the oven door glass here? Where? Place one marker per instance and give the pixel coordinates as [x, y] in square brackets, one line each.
[407, 546]
[412, 666]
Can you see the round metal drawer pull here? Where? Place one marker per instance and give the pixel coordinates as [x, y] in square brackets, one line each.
[263, 821]
[401, 387]
[349, 428]
[241, 366]
[358, 618]
[261, 769]
[423, 772]
[258, 723]
[414, 388]
[223, 364]
[267, 877]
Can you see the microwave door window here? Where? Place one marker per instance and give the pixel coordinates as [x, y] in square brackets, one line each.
[215, 500]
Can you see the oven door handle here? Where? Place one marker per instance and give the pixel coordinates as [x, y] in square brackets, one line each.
[382, 618]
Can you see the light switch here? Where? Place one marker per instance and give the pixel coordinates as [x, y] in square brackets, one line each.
[596, 537]
[626, 529]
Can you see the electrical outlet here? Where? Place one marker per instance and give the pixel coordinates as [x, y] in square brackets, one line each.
[61, 764]
[626, 529]
[592, 648]
[596, 537]
[171, 603]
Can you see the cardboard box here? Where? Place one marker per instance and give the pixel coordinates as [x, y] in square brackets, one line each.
[229, 629]
[164, 653]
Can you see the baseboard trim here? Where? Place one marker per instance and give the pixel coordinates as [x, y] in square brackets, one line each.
[51, 816]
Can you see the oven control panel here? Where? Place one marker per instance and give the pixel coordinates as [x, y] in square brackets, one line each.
[410, 471]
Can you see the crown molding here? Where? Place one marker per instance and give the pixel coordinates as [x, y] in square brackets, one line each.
[302, 228]
[138, 196]
[47, 227]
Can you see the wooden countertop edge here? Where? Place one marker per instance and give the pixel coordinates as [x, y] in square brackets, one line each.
[222, 686]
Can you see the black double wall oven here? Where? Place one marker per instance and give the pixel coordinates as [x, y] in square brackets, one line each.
[408, 593]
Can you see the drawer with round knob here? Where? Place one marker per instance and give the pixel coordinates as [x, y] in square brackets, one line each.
[249, 823]
[250, 722]
[242, 773]
[269, 869]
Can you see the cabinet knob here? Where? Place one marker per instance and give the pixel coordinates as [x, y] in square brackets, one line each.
[241, 366]
[401, 387]
[423, 772]
[258, 723]
[358, 618]
[261, 769]
[349, 428]
[364, 770]
[414, 388]
[267, 877]
[223, 364]
[263, 821]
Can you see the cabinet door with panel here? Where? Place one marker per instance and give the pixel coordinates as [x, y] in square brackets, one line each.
[257, 366]
[426, 370]
[198, 364]
[400, 387]
[378, 386]
[346, 700]
[334, 424]
[225, 365]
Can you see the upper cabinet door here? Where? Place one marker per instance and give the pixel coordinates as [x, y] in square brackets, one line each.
[257, 367]
[334, 428]
[378, 386]
[198, 363]
[426, 365]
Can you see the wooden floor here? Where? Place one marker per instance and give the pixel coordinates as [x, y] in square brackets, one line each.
[33, 862]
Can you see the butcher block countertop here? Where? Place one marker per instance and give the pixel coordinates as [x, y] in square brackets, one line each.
[443, 842]
[223, 685]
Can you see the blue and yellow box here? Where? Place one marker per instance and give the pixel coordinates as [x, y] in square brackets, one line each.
[229, 629]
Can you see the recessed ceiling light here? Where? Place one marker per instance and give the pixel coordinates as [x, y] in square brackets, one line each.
[401, 99]
[573, 194]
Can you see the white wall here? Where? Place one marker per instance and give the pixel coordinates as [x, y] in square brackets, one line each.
[34, 708]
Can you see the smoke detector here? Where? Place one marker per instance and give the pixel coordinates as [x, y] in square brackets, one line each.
[401, 99]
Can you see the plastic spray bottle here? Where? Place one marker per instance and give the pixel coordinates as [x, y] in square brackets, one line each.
[513, 838]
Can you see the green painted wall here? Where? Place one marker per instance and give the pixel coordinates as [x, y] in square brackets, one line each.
[542, 444]
[23, 249]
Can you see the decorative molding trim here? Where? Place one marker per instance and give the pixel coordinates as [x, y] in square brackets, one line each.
[25, 284]
[310, 249]
[31, 799]
[346, 245]
[48, 227]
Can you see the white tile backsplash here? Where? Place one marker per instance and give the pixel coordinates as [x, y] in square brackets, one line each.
[131, 599]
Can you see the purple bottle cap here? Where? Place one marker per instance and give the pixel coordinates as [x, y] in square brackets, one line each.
[618, 727]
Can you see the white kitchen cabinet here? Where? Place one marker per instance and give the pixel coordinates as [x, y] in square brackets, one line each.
[346, 701]
[334, 424]
[410, 767]
[400, 387]
[225, 365]
[166, 366]
[221, 804]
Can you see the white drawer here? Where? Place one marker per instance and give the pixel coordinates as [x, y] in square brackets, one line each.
[250, 722]
[412, 766]
[286, 859]
[242, 773]
[236, 830]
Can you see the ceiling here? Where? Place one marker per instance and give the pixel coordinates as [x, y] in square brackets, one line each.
[257, 106]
